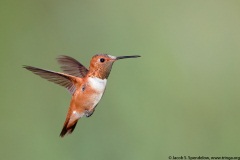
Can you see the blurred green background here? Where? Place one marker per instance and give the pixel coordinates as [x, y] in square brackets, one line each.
[180, 98]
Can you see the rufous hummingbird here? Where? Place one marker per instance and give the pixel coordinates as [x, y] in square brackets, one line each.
[86, 85]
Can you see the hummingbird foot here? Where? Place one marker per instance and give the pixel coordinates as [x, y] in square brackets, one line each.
[88, 113]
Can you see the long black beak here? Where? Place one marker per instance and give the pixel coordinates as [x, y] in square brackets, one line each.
[123, 57]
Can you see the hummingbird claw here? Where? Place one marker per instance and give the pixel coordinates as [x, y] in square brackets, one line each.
[88, 113]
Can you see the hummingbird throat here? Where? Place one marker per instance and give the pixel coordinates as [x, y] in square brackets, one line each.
[101, 73]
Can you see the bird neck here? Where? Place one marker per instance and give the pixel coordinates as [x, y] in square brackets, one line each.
[99, 74]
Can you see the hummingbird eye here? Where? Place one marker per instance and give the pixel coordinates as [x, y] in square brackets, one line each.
[102, 60]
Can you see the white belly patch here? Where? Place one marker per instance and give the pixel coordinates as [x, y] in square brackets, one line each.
[99, 86]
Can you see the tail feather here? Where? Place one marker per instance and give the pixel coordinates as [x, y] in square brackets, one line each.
[71, 121]
[68, 128]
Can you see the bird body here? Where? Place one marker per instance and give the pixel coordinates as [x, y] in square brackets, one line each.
[87, 86]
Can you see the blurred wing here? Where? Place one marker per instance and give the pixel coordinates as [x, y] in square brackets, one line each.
[71, 66]
[64, 80]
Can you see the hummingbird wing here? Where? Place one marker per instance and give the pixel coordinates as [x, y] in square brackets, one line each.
[71, 66]
[64, 80]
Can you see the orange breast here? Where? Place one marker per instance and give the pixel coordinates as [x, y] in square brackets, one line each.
[88, 95]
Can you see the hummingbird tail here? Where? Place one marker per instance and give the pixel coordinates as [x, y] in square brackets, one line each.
[68, 127]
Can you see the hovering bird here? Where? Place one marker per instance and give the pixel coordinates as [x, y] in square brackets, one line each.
[86, 85]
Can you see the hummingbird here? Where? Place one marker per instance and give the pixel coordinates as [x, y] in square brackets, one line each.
[86, 86]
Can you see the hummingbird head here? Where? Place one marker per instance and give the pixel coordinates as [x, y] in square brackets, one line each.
[101, 64]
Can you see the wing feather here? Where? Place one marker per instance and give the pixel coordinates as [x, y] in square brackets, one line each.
[71, 66]
[61, 79]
